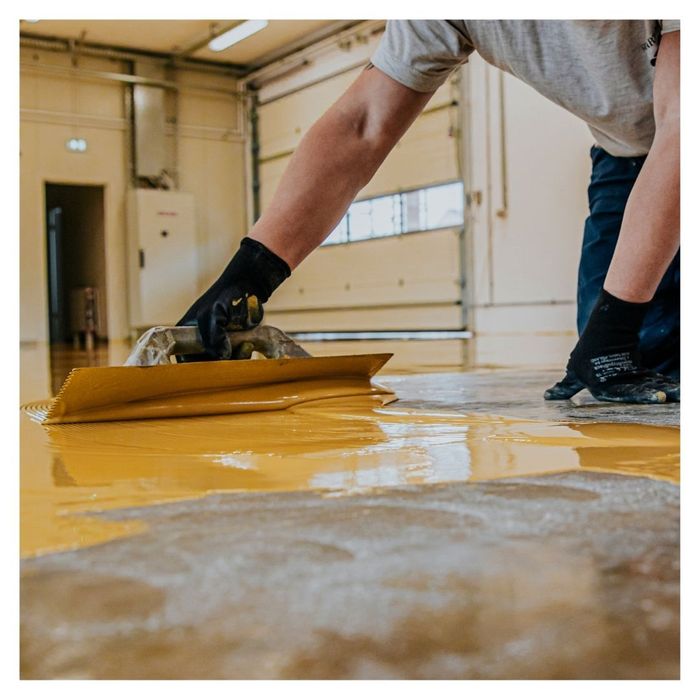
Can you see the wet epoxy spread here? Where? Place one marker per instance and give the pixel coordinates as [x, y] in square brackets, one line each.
[72, 472]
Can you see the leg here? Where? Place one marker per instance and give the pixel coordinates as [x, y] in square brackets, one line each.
[660, 337]
[612, 180]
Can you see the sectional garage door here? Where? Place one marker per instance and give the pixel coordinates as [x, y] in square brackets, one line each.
[411, 281]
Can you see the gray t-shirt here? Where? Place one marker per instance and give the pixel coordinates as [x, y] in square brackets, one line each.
[600, 70]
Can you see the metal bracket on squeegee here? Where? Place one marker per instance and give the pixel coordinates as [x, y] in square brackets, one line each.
[157, 345]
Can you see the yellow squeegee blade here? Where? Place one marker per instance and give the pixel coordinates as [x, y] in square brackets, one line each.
[92, 394]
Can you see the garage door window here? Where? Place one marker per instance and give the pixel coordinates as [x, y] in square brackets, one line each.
[425, 209]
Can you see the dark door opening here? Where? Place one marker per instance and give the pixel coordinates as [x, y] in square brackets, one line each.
[75, 245]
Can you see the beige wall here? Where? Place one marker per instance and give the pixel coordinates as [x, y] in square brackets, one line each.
[53, 110]
[56, 106]
[524, 261]
[211, 151]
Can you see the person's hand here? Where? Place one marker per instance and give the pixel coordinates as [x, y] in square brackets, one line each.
[606, 359]
[234, 301]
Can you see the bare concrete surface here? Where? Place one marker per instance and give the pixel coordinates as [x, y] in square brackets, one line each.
[519, 394]
[570, 575]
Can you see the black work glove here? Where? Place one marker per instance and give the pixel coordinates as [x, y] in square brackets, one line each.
[607, 362]
[234, 301]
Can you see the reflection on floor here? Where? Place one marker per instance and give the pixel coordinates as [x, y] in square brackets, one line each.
[43, 368]
[394, 564]
[64, 358]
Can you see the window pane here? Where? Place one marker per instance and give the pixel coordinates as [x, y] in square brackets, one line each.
[429, 208]
[413, 204]
[339, 234]
[383, 216]
[445, 205]
[360, 224]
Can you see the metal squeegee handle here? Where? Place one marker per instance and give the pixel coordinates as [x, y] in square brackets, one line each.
[157, 345]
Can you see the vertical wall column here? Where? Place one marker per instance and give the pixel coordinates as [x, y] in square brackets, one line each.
[528, 176]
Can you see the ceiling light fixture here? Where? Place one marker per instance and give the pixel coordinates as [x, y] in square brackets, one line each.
[238, 33]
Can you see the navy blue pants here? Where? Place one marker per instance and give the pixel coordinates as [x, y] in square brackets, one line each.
[612, 179]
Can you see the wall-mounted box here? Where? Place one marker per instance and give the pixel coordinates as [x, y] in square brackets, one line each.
[162, 256]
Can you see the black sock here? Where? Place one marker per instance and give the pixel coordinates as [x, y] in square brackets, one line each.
[607, 351]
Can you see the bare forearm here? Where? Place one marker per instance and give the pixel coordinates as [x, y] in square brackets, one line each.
[650, 234]
[324, 175]
[334, 161]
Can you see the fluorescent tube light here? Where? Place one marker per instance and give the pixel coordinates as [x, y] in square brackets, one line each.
[238, 33]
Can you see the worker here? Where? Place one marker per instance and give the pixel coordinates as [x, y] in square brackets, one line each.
[621, 77]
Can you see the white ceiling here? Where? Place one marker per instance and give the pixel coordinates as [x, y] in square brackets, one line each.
[174, 36]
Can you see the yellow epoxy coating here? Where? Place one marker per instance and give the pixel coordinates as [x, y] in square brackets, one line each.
[72, 472]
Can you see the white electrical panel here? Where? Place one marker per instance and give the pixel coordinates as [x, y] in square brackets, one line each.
[162, 258]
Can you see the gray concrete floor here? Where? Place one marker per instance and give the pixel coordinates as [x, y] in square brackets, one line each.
[519, 394]
[562, 576]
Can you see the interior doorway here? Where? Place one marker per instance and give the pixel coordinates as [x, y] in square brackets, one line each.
[75, 245]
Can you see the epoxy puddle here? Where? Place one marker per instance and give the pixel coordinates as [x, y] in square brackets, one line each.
[70, 473]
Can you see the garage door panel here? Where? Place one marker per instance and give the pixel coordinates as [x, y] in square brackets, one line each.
[407, 282]
[270, 175]
[423, 356]
[393, 318]
[416, 268]
[425, 155]
[284, 122]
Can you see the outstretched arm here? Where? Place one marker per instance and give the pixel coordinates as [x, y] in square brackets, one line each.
[334, 161]
[650, 233]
